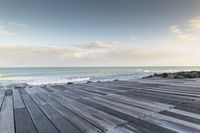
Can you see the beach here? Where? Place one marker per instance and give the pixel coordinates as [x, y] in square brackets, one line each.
[11, 77]
[121, 106]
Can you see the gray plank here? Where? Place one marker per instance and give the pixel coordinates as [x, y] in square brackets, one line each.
[2, 93]
[113, 107]
[58, 120]
[141, 125]
[41, 122]
[6, 116]
[155, 118]
[18, 102]
[81, 123]
[179, 126]
[23, 121]
[103, 121]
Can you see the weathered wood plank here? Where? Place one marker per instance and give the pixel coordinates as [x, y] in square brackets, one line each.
[110, 107]
[155, 118]
[126, 108]
[96, 113]
[23, 121]
[2, 93]
[106, 122]
[18, 102]
[6, 116]
[58, 120]
[96, 121]
[41, 122]
[139, 124]
[75, 119]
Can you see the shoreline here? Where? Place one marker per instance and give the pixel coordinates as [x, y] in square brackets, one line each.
[181, 75]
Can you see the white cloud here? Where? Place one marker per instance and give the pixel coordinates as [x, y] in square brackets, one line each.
[180, 35]
[176, 29]
[195, 23]
[190, 32]
[134, 38]
[99, 45]
[17, 24]
[70, 55]
[5, 33]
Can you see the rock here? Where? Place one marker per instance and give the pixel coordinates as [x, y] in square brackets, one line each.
[19, 85]
[156, 75]
[116, 80]
[170, 76]
[187, 75]
[194, 75]
[69, 83]
[164, 75]
[89, 81]
[181, 73]
[178, 76]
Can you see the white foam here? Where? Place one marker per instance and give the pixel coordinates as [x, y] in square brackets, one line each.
[40, 80]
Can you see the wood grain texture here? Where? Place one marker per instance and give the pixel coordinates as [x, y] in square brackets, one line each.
[139, 106]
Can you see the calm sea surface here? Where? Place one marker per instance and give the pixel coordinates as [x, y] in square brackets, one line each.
[38, 76]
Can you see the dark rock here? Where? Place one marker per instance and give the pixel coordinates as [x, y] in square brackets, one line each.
[89, 81]
[164, 75]
[19, 87]
[69, 83]
[156, 75]
[176, 76]
[195, 75]
[187, 75]
[170, 76]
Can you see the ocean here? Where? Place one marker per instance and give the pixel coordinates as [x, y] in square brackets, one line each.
[53, 75]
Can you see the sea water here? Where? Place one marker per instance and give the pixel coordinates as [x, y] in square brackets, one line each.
[53, 75]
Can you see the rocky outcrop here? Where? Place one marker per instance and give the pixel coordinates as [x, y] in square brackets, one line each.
[177, 75]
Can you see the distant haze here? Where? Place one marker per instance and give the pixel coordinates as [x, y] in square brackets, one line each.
[99, 33]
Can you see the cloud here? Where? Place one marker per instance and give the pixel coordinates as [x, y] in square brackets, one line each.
[180, 35]
[17, 24]
[175, 29]
[195, 23]
[134, 38]
[99, 45]
[21, 56]
[69, 55]
[190, 32]
[5, 33]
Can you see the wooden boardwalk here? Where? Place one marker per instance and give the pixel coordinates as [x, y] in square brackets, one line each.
[107, 107]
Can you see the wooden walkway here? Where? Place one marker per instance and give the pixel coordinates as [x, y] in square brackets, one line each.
[107, 107]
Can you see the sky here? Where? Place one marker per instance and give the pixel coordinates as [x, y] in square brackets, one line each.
[66, 33]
